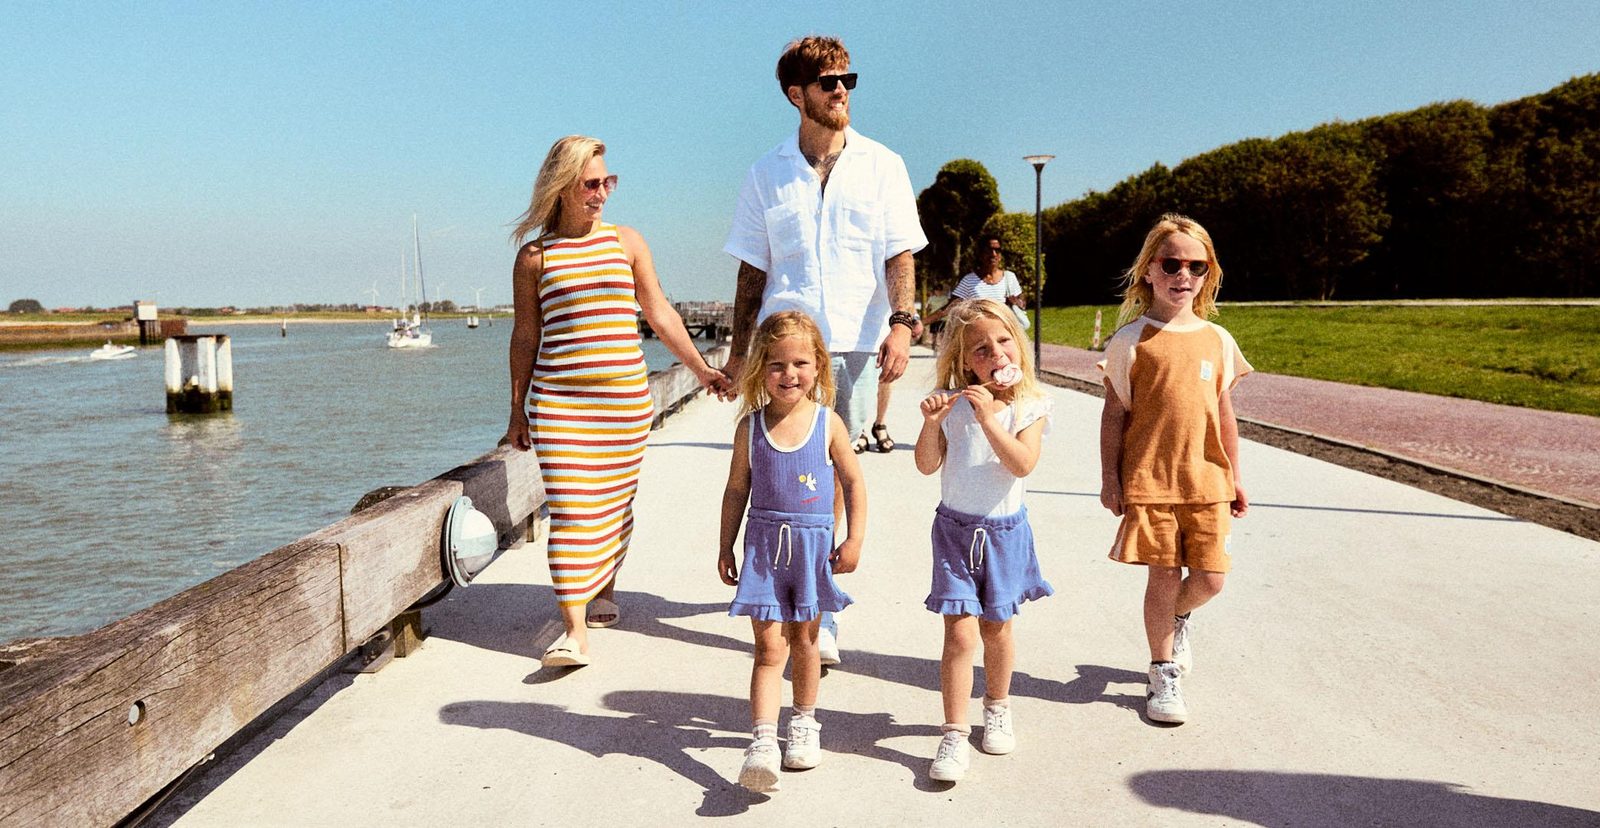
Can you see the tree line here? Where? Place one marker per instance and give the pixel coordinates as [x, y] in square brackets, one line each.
[1448, 200]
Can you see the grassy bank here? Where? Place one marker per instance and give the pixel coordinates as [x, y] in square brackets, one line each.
[1545, 357]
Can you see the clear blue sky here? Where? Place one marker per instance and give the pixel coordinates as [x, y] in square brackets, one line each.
[267, 153]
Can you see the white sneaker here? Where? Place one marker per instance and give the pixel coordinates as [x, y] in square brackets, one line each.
[950, 763]
[1164, 701]
[1182, 628]
[804, 749]
[998, 737]
[760, 771]
[827, 648]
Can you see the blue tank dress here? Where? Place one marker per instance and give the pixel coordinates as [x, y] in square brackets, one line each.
[788, 530]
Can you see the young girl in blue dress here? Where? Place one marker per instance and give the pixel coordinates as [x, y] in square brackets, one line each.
[982, 429]
[787, 449]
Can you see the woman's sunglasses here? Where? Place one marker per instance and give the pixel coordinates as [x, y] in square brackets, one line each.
[831, 82]
[592, 184]
[1197, 267]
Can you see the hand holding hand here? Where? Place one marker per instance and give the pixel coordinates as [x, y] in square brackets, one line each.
[712, 380]
[732, 370]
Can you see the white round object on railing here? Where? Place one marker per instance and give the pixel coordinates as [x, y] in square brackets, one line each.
[470, 541]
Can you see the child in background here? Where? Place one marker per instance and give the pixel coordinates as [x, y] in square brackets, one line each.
[984, 431]
[1169, 443]
[788, 446]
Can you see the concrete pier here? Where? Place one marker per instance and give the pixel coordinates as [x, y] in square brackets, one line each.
[199, 374]
[1381, 656]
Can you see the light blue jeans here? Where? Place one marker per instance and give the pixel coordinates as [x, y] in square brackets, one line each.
[855, 398]
[855, 389]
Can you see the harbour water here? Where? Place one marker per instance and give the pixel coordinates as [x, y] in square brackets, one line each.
[109, 505]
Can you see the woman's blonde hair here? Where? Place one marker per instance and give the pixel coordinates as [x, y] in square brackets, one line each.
[952, 373]
[562, 166]
[782, 325]
[1136, 292]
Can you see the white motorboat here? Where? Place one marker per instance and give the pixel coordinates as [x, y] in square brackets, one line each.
[110, 351]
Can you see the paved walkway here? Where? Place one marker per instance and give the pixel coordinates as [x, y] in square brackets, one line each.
[1543, 452]
[1382, 656]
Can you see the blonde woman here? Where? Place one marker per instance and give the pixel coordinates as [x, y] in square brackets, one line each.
[579, 384]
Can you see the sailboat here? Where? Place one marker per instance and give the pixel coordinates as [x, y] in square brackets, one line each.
[411, 333]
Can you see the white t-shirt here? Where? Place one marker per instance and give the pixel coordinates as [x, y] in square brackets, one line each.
[972, 286]
[824, 250]
[973, 481]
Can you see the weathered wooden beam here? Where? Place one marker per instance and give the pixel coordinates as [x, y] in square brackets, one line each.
[203, 664]
[189, 671]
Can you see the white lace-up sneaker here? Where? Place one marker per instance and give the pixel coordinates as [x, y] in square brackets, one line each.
[804, 749]
[950, 763]
[827, 648]
[760, 771]
[998, 737]
[1164, 701]
[1182, 654]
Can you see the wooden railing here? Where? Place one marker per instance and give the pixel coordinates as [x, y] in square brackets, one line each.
[93, 726]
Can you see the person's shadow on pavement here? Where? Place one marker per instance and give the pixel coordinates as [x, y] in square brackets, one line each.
[668, 728]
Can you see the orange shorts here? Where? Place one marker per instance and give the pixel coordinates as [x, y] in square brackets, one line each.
[1194, 535]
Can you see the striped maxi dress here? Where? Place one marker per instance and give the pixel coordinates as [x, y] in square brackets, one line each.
[589, 408]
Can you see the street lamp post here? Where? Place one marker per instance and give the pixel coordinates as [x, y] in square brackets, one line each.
[1038, 162]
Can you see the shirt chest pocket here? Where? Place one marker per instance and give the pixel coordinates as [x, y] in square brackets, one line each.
[859, 224]
[791, 230]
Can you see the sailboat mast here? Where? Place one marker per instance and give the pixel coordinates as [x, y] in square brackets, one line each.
[416, 252]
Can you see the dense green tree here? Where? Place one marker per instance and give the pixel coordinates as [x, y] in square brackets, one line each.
[1451, 199]
[953, 210]
[26, 306]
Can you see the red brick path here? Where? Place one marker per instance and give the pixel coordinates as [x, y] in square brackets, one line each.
[1543, 452]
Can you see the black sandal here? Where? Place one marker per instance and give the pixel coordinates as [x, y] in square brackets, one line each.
[880, 433]
[860, 443]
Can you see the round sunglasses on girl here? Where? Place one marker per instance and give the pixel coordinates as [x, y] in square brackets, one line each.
[1197, 267]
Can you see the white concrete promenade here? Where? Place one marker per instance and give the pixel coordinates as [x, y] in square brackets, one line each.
[1381, 656]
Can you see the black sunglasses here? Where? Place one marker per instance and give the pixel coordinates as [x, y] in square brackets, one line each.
[1198, 268]
[831, 82]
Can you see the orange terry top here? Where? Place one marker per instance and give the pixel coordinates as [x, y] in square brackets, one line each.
[1171, 380]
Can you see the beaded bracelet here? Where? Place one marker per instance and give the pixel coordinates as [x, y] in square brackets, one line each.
[906, 318]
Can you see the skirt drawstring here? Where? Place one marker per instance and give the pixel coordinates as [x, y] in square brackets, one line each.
[975, 550]
[784, 533]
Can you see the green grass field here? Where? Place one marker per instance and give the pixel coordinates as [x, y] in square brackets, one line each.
[1538, 356]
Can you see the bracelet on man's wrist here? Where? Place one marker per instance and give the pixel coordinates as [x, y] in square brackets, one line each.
[906, 318]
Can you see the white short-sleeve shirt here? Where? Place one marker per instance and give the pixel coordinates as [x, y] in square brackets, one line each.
[972, 480]
[824, 250]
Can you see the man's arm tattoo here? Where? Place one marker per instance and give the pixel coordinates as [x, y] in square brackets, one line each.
[752, 282]
[900, 272]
